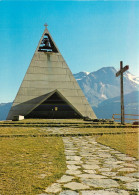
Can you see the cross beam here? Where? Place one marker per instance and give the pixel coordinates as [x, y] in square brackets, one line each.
[122, 70]
[120, 73]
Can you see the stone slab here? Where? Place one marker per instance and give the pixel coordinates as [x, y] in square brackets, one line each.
[76, 158]
[105, 192]
[89, 171]
[73, 167]
[69, 192]
[82, 176]
[65, 178]
[125, 179]
[86, 166]
[105, 169]
[127, 170]
[73, 172]
[76, 186]
[132, 186]
[126, 158]
[54, 188]
[73, 162]
[109, 174]
[101, 183]
[129, 165]
[136, 175]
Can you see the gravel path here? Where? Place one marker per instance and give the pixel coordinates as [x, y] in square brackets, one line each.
[95, 169]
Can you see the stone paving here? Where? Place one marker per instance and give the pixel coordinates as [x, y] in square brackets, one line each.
[95, 169]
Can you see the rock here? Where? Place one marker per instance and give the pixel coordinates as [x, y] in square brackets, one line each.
[82, 176]
[127, 170]
[129, 165]
[137, 163]
[73, 167]
[92, 161]
[110, 174]
[95, 176]
[126, 158]
[132, 186]
[136, 175]
[105, 192]
[73, 162]
[68, 192]
[125, 179]
[76, 158]
[65, 178]
[41, 194]
[115, 152]
[103, 155]
[70, 153]
[76, 186]
[86, 154]
[113, 166]
[101, 183]
[90, 157]
[54, 188]
[110, 161]
[89, 171]
[73, 172]
[105, 169]
[93, 166]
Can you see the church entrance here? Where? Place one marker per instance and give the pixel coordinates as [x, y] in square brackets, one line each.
[55, 107]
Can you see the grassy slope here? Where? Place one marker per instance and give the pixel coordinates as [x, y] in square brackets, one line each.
[24, 160]
[70, 130]
[18, 131]
[47, 121]
[125, 143]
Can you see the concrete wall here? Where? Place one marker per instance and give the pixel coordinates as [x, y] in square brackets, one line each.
[48, 71]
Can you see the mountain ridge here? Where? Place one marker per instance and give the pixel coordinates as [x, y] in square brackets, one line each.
[103, 84]
[101, 87]
[112, 106]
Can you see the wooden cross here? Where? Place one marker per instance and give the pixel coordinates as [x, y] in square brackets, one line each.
[120, 72]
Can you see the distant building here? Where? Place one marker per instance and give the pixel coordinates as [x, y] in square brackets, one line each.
[49, 89]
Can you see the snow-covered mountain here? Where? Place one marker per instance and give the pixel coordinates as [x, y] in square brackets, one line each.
[103, 84]
[81, 75]
[102, 89]
[132, 78]
[112, 106]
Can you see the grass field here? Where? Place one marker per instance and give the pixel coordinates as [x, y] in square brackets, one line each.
[29, 165]
[125, 143]
[65, 130]
[18, 131]
[47, 121]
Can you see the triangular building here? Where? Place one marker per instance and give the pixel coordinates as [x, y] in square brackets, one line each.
[49, 90]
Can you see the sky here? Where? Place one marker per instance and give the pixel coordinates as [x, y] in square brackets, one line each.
[89, 34]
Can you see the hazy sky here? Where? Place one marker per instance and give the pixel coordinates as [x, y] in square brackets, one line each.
[89, 34]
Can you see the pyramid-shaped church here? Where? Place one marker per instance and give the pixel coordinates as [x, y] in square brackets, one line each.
[49, 90]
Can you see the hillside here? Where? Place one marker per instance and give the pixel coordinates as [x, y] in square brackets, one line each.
[102, 89]
[4, 109]
[103, 84]
[112, 106]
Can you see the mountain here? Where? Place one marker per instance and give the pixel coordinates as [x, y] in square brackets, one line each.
[112, 106]
[4, 109]
[103, 84]
[102, 89]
